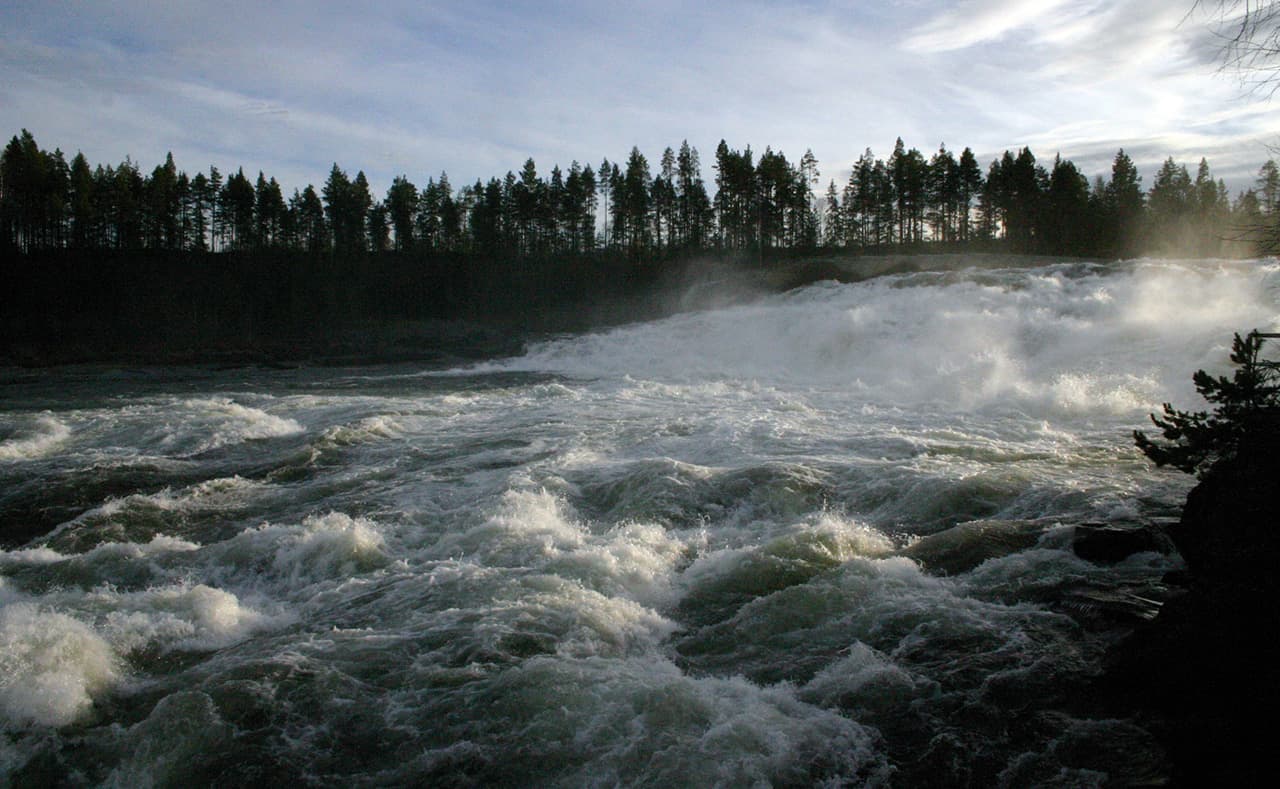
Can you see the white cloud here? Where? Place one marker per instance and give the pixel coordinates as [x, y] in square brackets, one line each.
[474, 89]
[977, 22]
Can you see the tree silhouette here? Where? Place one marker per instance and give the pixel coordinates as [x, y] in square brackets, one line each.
[46, 204]
[1194, 441]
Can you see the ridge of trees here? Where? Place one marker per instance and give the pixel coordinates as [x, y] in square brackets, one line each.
[757, 204]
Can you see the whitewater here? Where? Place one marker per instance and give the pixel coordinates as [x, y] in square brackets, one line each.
[822, 537]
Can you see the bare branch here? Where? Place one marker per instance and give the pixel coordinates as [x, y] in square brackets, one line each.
[1250, 34]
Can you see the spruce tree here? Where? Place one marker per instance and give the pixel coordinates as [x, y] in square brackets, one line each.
[1194, 441]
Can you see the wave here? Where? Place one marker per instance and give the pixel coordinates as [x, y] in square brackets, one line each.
[36, 439]
[52, 667]
[221, 422]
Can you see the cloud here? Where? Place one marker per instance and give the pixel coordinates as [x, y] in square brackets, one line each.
[474, 89]
[977, 22]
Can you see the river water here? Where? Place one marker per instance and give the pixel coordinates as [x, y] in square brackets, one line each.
[820, 538]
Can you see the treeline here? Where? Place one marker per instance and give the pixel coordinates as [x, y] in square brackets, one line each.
[630, 208]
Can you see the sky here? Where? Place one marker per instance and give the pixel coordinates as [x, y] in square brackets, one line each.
[407, 87]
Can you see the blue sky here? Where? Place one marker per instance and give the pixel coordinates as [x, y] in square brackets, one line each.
[476, 87]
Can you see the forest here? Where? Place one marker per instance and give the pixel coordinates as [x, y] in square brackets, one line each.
[764, 202]
[104, 260]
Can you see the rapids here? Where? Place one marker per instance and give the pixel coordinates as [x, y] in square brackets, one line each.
[720, 549]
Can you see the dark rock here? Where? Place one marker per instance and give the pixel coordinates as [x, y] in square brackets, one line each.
[1108, 544]
[1104, 607]
[1231, 523]
[967, 545]
[1204, 670]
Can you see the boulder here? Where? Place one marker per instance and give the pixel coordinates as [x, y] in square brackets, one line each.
[1107, 544]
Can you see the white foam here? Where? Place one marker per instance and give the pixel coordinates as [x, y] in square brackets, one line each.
[36, 439]
[1072, 338]
[226, 422]
[218, 494]
[585, 622]
[332, 545]
[159, 545]
[528, 528]
[538, 529]
[52, 667]
[830, 541]
[321, 548]
[371, 428]
[178, 617]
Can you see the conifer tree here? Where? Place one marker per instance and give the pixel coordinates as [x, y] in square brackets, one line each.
[969, 178]
[634, 203]
[1268, 184]
[237, 201]
[312, 229]
[162, 206]
[1195, 441]
[1065, 223]
[1124, 205]
[833, 231]
[693, 222]
[361, 203]
[379, 227]
[83, 214]
[402, 206]
[337, 207]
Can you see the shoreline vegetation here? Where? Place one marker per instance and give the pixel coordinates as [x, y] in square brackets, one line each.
[1202, 672]
[106, 264]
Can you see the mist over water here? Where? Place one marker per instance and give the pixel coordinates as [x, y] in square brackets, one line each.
[822, 537]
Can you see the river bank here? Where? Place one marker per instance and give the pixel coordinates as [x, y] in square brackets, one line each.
[292, 313]
[1203, 671]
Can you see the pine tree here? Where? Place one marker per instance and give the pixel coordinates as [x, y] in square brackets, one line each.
[162, 206]
[529, 195]
[84, 230]
[402, 206]
[312, 228]
[1025, 184]
[378, 221]
[1065, 223]
[1268, 184]
[833, 231]
[1195, 441]
[361, 204]
[217, 220]
[551, 212]
[942, 189]
[450, 216]
[635, 203]
[1124, 205]
[694, 218]
[126, 190]
[337, 207]
[969, 177]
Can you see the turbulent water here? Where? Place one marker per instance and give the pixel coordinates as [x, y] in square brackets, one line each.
[819, 538]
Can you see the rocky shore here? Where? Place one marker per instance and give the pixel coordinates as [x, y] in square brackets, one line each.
[1203, 674]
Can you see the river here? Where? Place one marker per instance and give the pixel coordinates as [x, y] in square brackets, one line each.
[815, 538]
